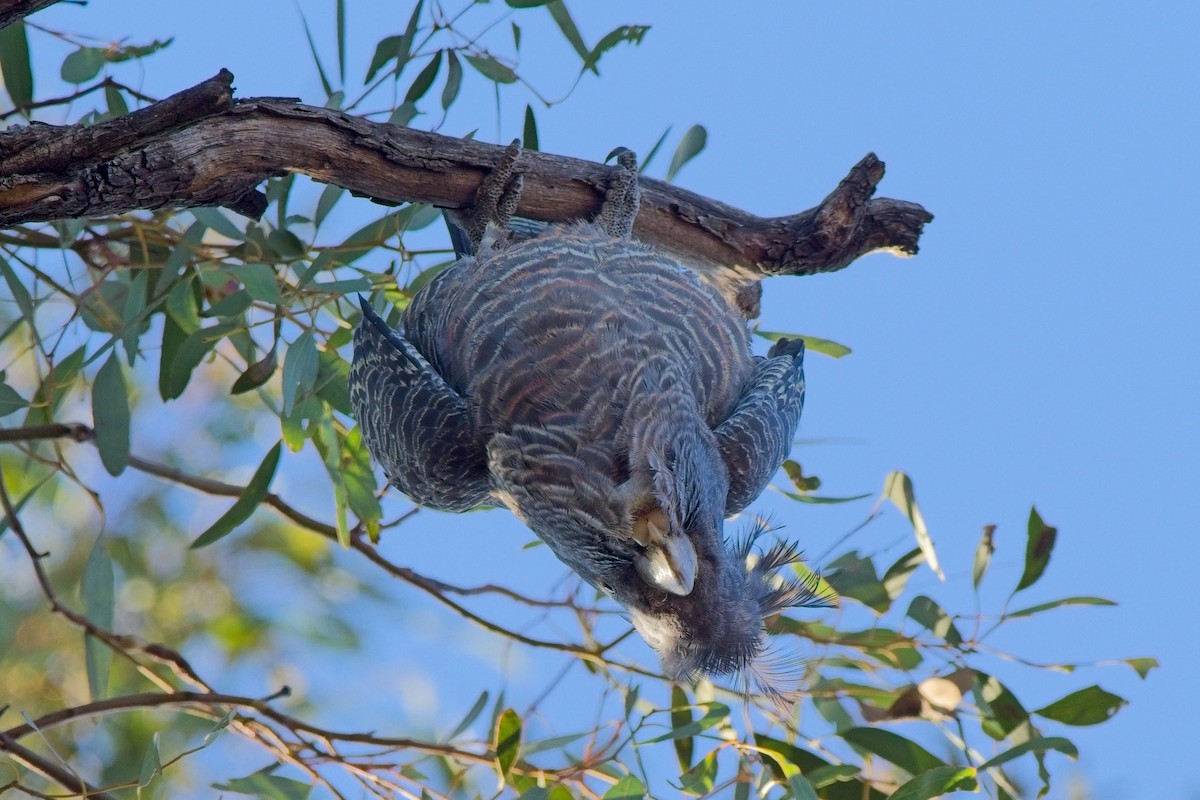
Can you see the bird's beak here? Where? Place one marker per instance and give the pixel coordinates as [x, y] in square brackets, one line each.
[669, 563]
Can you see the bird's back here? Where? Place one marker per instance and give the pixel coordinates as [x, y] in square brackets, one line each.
[550, 330]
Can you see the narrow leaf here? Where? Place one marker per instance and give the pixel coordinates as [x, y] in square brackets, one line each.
[151, 763]
[931, 615]
[714, 713]
[562, 17]
[470, 717]
[681, 716]
[800, 788]
[689, 147]
[628, 788]
[492, 69]
[983, 554]
[904, 753]
[424, 79]
[1089, 706]
[10, 401]
[453, 80]
[812, 344]
[110, 412]
[1040, 745]
[14, 64]
[1038, 546]
[96, 590]
[935, 783]
[244, 506]
[898, 488]
[1066, 601]
[507, 742]
[300, 367]
[529, 136]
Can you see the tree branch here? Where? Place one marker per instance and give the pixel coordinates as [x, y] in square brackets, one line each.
[200, 147]
[13, 10]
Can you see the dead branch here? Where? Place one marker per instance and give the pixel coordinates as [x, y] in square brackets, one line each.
[200, 148]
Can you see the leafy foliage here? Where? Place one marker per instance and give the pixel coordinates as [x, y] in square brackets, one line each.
[204, 341]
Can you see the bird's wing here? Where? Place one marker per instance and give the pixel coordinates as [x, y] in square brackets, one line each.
[422, 431]
[558, 488]
[757, 436]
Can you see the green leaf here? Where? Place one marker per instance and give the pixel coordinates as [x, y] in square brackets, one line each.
[491, 69]
[935, 783]
[151, 763]
[681, 716]
[14, 64]
[1038, 546]
[385, 50]
[453, 80]
[256, 374]
[689, 147]
[117, 106]
[507, 742]
[264, 785]
[1142, 666]
[904, 753]
[188, 355]
[714, 713]
[244, 506]
[1065, 601]
[553, 743]
[898, 488]
[626, 33]
[1002, 713]
[260, 281]
[812, 344]
[82, 65]
[562, 17]
[1089, 706]
[110, 412]
[300, 367]
[700, 779]
[329, 197]
[215, 218]
[628, 788]
[221, 725]
[815, 500]
[854, 577]
[10, 401]
[800, 788]
[1040, 745]
[529, 135]
[472, 715]
[897, 575]
[931, 615]
[96, 589]
[983, 554]
[424, 79]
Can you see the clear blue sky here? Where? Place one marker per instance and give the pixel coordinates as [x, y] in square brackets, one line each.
[1042, 348]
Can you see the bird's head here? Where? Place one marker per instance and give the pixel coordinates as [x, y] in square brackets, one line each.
[699, 601]
[718, 628]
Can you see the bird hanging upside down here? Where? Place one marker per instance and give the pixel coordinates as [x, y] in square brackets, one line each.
[608, 398]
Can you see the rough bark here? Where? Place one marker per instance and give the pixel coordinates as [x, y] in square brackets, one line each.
[13, 10]
[201, 147]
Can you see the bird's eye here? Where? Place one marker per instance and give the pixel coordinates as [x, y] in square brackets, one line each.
[606, 588]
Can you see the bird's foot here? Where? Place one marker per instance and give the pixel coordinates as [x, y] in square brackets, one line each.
[785, 346]
[622, 198]
[495, 201]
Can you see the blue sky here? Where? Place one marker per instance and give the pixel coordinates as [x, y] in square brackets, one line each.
[1041, 349]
